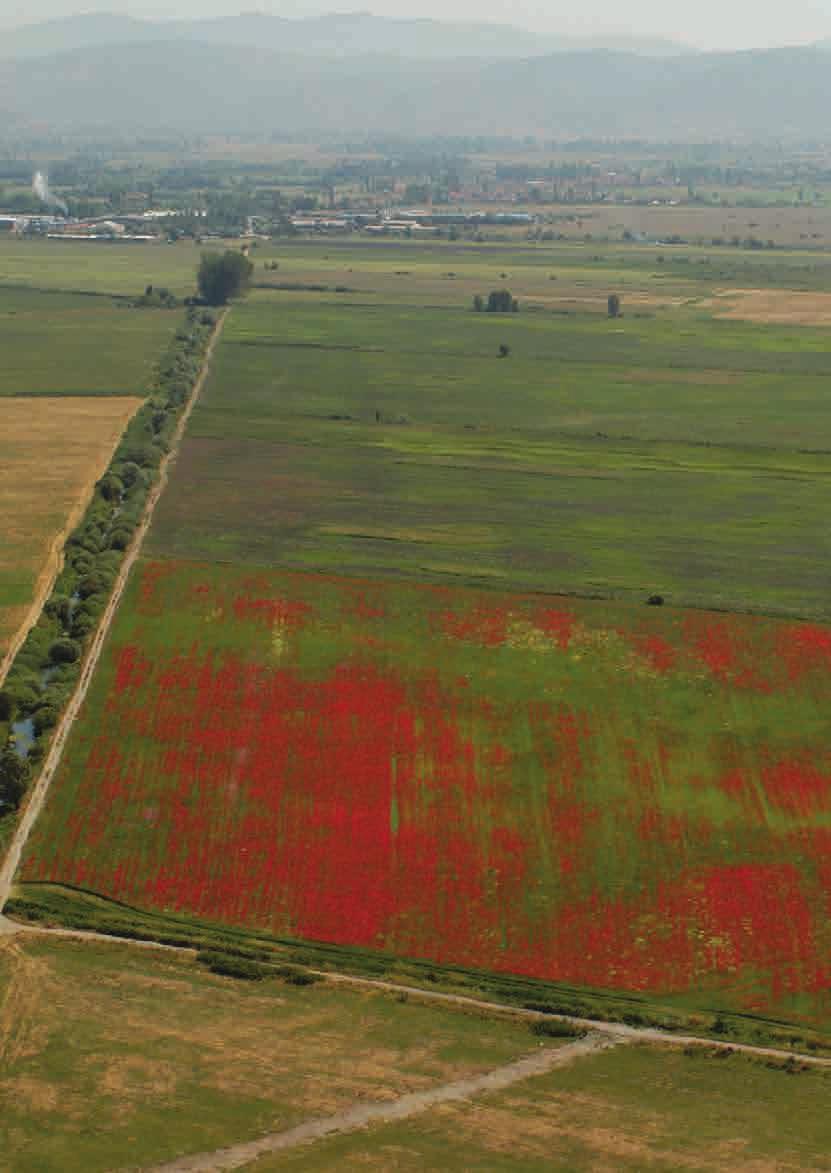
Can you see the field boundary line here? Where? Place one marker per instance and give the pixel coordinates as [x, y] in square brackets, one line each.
[616, 1030]
[410, 1104]
[38, 793]
[55, 557]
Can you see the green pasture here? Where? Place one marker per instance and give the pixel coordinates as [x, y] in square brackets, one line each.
[428, 276]
[676, 454]
[715, 527]
[681, 376]
[98, 266]
[693, 266]
[631, 1109]
[65, 344]
[682, 341]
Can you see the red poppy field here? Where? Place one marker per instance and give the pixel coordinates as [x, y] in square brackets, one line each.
[614, 797]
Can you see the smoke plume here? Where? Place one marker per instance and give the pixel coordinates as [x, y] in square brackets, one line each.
[40, 186]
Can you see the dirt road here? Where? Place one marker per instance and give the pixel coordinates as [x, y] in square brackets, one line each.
[618, 1031]
[37, 795]
[361, 1115]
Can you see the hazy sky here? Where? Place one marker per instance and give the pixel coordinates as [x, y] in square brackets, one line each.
[706, 23]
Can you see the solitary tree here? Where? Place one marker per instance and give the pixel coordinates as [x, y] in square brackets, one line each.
[478, 303]
[223, 276]
[501, 302]
[614, 305]
[504, 350]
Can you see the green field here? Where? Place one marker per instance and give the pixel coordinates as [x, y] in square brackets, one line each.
[628, 1109]
[352, 703]
[692, 268]
[66, 344]
[674, 454]
[61, 350]
[97, 267]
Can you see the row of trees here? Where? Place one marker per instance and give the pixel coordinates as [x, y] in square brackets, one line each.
[501, 301]
[46, 669]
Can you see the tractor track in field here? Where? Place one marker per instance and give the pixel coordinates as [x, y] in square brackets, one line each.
[359, 1116]
[37, 795]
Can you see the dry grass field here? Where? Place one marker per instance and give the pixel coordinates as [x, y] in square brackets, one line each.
[626, 1110]
[52, 451]
[115, 1057]
[803, 227]
[782, 307]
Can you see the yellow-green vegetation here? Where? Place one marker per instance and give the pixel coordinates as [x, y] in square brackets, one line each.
[377, 433]
[115, 1056]
[64, 344]
[93, 267]
[51, 453]
[632, 1108]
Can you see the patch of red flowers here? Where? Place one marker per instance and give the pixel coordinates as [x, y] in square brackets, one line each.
[440, 809]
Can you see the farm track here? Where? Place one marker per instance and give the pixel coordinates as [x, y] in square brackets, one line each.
[618, 1031]
[411, 1104]
[37, 796]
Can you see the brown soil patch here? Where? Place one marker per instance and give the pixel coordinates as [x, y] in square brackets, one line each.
[52, 451]
[21, 1034]
[784, 307]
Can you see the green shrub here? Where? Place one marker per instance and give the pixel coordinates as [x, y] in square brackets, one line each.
[46, 717]
[58, 607]
[555, 1028]
[64, 651]
[8, 705]
[93, 584]
[303, 978]
[110, 487]
[235, 967]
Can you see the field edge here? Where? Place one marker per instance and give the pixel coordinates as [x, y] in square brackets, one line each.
[49, 905]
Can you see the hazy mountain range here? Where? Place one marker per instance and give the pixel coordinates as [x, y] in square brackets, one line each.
[401, 77]
[336, 35]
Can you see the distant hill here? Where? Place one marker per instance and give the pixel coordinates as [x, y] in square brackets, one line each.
[336, 35]
[198, 87]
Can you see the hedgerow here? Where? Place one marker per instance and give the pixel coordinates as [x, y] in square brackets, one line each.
[48, 665]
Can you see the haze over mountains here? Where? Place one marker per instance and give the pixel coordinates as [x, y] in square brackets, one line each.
[335, 35]
[357, 73]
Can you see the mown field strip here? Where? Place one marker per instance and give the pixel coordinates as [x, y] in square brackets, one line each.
[363, 1115]
[37, 795]
[615, 1031]
[46, 484]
